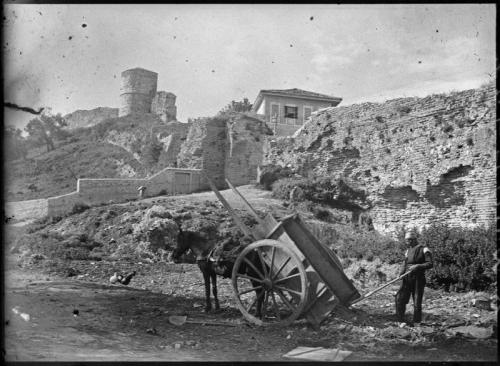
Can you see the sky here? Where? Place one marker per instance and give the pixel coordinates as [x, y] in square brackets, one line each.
[70, 57]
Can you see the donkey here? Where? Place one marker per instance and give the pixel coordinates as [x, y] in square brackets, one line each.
[210, 269]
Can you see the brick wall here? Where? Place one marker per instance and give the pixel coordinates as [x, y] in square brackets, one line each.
[420, 160]
[246, 136]
[226, 147]
[205, 148]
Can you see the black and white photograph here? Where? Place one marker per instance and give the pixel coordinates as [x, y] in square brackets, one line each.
[250, 183]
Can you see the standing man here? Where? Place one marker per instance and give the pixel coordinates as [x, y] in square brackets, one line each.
[418, 259]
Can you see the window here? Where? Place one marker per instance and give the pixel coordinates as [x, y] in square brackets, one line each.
[291, 112]
[275, 113]
[307, 112]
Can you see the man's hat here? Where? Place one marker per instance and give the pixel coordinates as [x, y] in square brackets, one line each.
[411, 235]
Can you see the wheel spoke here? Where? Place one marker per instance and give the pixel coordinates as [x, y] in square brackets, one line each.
[285, 300]
[264, 269]
[288, 290]
[264, 304]
[287, 278]
[281, 268]
[254, 301]
[253, 267]
[273, 252]
[275, 307]
[249, 290]
[249, 277]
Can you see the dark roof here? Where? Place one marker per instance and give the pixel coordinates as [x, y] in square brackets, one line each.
[295, 93]
[298, 93]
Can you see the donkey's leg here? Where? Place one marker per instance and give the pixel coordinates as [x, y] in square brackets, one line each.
[206, 279]
[213, 275]
[260, 293]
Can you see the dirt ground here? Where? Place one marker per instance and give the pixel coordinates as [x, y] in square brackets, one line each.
[82, 317]
[130, 323]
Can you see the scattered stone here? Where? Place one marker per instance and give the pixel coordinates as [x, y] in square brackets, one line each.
[177, 346]
[471, 331]
[482, 302]
[152, 331]
[76, 312]
[25, 316]
[190, 343]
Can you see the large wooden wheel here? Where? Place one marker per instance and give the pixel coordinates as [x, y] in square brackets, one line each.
[269, 275]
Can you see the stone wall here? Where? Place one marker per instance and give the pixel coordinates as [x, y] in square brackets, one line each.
[420, 160]
[205, 148]
[246, 136]
[97, 191]
[164, 105]
[171, 136]
[229, 146]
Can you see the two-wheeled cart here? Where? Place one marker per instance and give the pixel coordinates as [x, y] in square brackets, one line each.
[299, 275]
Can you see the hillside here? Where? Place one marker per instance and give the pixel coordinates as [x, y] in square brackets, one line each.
[88, 118]
[120, 147]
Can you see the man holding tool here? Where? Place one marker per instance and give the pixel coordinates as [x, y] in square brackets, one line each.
[418, 259]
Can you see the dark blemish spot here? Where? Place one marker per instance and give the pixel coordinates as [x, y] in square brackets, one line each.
[437, 30]
[291, 45]
[63, 56]
[70, 38]
[187, 60]
[20, 53]
[213, 70]
[84, 25]
[114, 76]
[24, 109]
[419, 62]
[368, 50]
[272, 62]
[311, 18]
[175, 18]
[39, 12]
[175, 37]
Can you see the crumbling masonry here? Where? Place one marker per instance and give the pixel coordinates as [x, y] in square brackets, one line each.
[420, 160]
[138, 95]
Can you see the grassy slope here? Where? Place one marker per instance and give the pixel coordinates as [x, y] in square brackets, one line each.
[88, 155]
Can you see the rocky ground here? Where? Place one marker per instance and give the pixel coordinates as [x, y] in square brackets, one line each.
[68, 310]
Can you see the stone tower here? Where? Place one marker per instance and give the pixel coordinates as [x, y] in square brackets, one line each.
[164, 106]
[138, 88]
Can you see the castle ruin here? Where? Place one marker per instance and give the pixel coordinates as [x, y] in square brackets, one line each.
[139, 95]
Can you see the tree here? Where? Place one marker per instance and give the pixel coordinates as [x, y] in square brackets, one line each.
[15, 143]
[47, 128]
[234, 106]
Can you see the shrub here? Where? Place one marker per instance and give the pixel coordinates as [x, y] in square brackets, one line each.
[79, 207]
[463, 258]
[323, 190]
[447, 128]
[403, 109]
[271, 173]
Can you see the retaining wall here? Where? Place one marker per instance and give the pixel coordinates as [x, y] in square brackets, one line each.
[97, 191]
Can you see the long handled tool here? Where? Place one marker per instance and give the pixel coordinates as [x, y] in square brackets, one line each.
[378, 289]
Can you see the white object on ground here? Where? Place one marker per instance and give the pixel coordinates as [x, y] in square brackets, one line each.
[318, 354]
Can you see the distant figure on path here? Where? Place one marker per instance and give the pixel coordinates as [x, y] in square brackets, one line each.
[141, 190]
